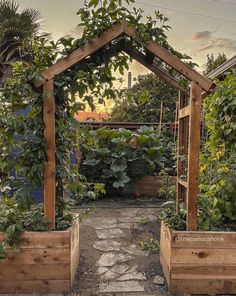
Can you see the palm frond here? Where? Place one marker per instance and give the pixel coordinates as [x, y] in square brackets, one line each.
[8, 9]
[16, 30]
[32, 18]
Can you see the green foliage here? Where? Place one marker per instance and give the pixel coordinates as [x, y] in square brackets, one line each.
[214, 62]
[15, 219]
[220, 113]
[142, 102]
[16, 29]
[171, 218]
[89, 82]
[217, 202]
[118, 157]
[167, 189]
[218, 191]
[153, 246]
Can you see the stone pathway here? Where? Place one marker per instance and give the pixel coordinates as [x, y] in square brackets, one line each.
[120, 264]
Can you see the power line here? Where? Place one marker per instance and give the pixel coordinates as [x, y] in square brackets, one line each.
[224, 2]
[188, 12]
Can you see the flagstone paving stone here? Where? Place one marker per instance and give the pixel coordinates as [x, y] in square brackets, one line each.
[110, 259]
[120, 268]
[135, 251]
[110, 233]
[107, 245]
[119, 287]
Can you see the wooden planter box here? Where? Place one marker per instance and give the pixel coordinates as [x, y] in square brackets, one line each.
[199, 262]
[149, 185]
[46, 263]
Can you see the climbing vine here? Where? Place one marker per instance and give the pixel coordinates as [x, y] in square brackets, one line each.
[218, 160]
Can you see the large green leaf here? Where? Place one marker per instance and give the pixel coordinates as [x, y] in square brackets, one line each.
[118, 165]
[107, 173]
[91, 162]
[122, 180]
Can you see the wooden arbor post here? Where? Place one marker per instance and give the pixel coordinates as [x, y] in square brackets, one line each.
[188, 152]
[50, 164]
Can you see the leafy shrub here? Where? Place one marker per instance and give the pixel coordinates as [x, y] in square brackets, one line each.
[118, 157]
[153, 246]
[167, 189]
[217, 197]
[171, 218]
[15, 220]
[218, 191]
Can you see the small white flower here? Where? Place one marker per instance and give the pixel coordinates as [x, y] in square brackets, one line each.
[5, 188]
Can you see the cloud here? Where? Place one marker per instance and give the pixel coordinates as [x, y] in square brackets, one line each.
[207, 41]
[224, 44]
[199, 36]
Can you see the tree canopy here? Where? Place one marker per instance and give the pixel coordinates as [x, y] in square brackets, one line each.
[214, 62]
[16, 30]
[142, 102]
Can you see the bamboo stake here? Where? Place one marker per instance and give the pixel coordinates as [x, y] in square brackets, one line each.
[161, 115]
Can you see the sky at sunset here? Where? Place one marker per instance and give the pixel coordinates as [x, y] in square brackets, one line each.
[198, 26]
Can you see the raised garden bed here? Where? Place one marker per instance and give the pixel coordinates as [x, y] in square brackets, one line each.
[46, 263]
[199, 262]
[150, 185]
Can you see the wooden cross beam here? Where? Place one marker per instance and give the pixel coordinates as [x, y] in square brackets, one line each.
[170, 59]
[141, 58]
[81, 53]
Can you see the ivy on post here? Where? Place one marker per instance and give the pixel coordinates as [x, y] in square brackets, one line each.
[193, 154]
[50, 165]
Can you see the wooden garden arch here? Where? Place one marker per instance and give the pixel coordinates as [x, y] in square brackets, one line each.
[189, 114]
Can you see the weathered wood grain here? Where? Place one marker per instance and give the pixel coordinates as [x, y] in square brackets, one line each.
[199, 262]
[34, 286]
[49, 108]
[46, 263]
[193, 155]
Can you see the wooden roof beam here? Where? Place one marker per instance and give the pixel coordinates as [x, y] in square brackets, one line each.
[81, 53]
[141, 58]
[170, 59]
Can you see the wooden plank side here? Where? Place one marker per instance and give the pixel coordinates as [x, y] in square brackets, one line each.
[171, 59]
[75, 255]
[50, 165]
[184, 112]
[165, 252]
[208, 276]
[74, 249]
[150, 184]
[183, 183]
[203, 256]
[30, 287]
[179, 152]
[204, 286]
[37, 256]
[142, 59]
[23, 272]
[193, 155]
[43, 240]
[74, 234]
[81, 53]
[205, 271]
[34, 240]
[204, 239]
